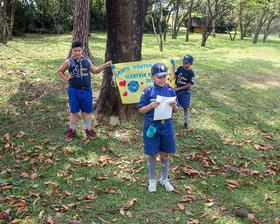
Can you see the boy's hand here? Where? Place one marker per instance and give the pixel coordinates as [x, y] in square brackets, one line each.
[154, 105]
[174, 106]
[109, 63]
[176, 89]
[71, 76]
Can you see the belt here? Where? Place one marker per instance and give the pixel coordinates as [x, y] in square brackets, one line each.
[83, 88]
[160, 121]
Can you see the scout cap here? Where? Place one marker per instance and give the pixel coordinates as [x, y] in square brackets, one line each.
[159, 69]
[188, 59]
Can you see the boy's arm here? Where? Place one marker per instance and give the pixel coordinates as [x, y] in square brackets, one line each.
[61, 71]
[95, 70]
[183, 87]
[146, 109]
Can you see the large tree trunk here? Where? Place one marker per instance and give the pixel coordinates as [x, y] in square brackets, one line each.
[81, 25]
[11, 25]
[189, 20]
[125, 19]
[174, 33]
[160, 26]
[241, 20]
[5, 31]
[258, 29]
[267, 28]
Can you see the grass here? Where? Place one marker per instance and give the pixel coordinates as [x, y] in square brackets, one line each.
[234, 136]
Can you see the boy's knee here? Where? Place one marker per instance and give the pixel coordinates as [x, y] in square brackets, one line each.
[164, 155]
[153, 156]
[186, 109]
[75, 114]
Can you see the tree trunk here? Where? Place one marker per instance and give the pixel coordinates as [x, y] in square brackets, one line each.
[214, 29]
[11, 25]
[189, 20]
[4, 23]
[267, 28]
[174, 33]
[241, 20]
[166, 26]
[160, 26]
[81, 25]
[258, 29]
[125, 20]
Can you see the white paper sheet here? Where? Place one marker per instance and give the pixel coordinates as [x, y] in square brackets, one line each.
[164, 110]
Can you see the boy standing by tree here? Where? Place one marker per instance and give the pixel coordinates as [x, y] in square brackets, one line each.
[184, 80]
[163, 139]
[79, 91]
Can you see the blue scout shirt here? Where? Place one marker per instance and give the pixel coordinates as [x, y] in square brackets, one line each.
[149, 95]
[184, 77]
[81, 71]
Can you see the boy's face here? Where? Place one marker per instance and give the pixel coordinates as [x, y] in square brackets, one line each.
[160, 81]
[186, 66]
[77, 52]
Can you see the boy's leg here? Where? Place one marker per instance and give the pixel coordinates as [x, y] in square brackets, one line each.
[164, 159]
[89, 131]
[73, 123]
[186, 116]
[152, 173]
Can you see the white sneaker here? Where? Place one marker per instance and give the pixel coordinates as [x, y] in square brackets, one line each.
[152, 186]
[165, 183]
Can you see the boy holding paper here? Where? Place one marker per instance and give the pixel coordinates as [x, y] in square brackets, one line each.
[158, 131]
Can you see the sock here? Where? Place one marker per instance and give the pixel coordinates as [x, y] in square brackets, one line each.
[73, 125]
[87, 124]
[152, 168]
[186, 113]
[164, 168]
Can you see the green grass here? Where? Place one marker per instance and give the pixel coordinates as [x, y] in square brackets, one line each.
[234, 121]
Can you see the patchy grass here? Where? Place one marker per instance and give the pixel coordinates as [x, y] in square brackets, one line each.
[228, 163]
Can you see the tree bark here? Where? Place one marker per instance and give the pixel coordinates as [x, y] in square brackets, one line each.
[241, 20]
[11, 25]
[81, 25]
[5, 31]
[267, 28]
[125, 20]
[258, 29]
[174, 33]
[160, 26]
[189, 20]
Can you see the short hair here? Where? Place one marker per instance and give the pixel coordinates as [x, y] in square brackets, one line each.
[77, 44]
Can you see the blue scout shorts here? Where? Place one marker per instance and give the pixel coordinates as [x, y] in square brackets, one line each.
[163, 139]
[80, 99]
[184, 98]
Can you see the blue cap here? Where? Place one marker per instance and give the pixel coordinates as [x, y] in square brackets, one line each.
[159, 69]
[188, 59]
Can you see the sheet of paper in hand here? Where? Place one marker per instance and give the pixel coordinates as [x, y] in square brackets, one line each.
[164, 110]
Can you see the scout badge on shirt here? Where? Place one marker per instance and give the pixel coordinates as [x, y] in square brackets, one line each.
[151, 131]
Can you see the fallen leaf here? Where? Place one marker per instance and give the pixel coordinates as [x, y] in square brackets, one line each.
[277, 220]
[251, 216]
[181, 207]
[235, 182]
[128, 213]
[50, 220]
[24, 175]
[177, 219]
[41, 214]
[34, 176]
[122, 211]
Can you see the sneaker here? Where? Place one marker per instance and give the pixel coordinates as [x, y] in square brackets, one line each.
[70, 135]
[186, 127]
[91, 133]
[165, 183]
[152, 186]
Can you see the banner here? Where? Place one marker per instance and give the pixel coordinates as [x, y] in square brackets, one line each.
[133, 77]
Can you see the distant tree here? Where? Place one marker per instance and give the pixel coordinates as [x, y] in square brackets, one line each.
[125, 21]
[6, 20]
[271, 26]
[81, 25]
[266, 10]
[215, 10]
